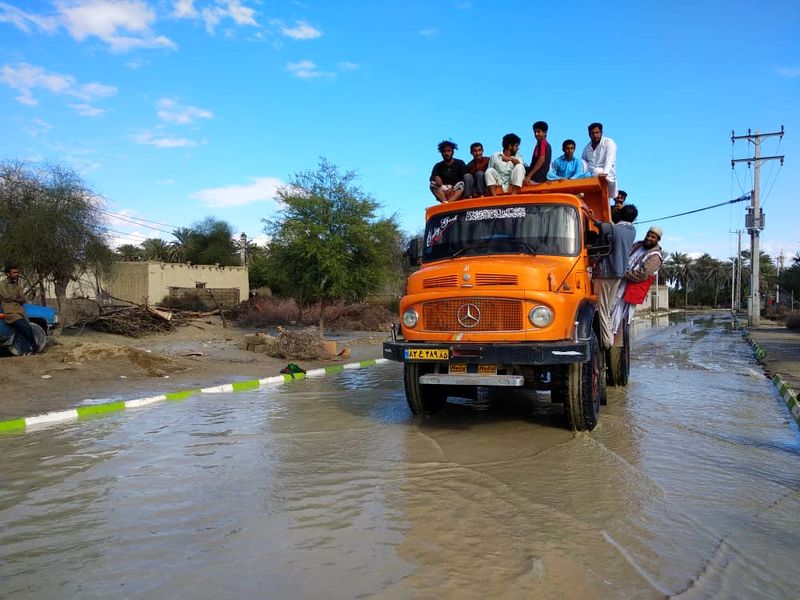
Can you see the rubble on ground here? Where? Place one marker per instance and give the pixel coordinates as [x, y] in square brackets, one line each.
[305, 344]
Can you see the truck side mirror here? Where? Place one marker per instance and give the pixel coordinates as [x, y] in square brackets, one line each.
[601, 245]
[414, 252]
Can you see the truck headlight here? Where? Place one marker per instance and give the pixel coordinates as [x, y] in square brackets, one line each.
[410, 318]
[540, 316]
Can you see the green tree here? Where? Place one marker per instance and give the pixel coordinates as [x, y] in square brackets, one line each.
[678, 272]
[156, 249]
[326, 242]
[258, 271]
[130, 252]
[177, 247]
[50, 222]
[210, 242]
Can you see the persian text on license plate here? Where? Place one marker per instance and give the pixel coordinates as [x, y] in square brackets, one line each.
[427, 354]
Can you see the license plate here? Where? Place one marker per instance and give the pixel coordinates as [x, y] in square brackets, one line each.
[458, 368]
[427, 354]
[487, 369]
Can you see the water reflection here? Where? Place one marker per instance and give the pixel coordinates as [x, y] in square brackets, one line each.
[688, 487]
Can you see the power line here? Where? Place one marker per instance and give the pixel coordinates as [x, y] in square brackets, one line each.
[741, 198]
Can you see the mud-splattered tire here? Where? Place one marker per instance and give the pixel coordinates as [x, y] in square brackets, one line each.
[422, 399]
[39, 335]
[619, 360]
[582, 390]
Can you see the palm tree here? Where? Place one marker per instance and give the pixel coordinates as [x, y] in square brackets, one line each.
[130, 252]
[178, 248]
[156, 249]
[678, 270]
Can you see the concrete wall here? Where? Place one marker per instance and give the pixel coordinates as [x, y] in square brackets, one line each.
[657, 299]
[149, 282]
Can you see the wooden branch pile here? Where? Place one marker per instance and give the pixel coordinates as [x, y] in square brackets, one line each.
[136, 321]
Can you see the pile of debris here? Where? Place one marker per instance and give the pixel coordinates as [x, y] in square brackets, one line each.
[133, 320]
[301, 344]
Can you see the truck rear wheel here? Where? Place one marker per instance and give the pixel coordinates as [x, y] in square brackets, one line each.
[619, 360]
[422, 399]
[582, 390]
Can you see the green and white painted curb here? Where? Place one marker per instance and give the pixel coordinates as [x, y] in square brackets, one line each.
[50, 419]
[788, 394]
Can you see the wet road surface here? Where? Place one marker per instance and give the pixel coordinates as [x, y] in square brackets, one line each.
[688, 488]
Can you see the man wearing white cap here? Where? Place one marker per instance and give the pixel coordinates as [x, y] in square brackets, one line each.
[646, 258]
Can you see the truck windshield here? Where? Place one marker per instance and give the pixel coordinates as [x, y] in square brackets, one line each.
[515, 229]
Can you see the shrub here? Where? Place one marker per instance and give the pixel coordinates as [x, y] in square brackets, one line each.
[265, 312]
[793, 320]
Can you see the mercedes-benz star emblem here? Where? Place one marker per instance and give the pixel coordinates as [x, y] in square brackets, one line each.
[468, 315]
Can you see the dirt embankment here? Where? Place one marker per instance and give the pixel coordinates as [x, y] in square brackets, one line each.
[92, 365]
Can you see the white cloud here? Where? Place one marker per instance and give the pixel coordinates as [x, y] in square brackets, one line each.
[184, 9]
[25, 21]
[107, 19]
[428, 32]
[305, 69]
[348, 66]
[228, 9]
[301, 30]
[38, 127]
[790, 72]
[25, 78]
[172, 112]
[262, 189]
[87, 110]
[148, 139]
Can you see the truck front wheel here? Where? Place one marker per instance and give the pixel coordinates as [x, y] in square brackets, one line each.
[582, 390]
[422, 399]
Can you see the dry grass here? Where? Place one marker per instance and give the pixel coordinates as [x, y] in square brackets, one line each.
[793, 320]
[265, 312]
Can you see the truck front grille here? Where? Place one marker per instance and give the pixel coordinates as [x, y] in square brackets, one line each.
[494, 314]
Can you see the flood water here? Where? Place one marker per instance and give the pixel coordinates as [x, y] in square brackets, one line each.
[688, 488]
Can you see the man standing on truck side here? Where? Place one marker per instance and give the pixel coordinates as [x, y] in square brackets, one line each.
[645, 260]
[610, 270]
[542, 153]
[447, 176]
[600, 155]
[506, 169]
[12, 298]
[568, 166]
[619, 201]
[475, 179]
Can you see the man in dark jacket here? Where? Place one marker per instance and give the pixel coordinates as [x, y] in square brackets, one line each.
[12, 298]
[610, 270]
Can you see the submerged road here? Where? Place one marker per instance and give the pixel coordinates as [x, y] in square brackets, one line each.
[688, 488]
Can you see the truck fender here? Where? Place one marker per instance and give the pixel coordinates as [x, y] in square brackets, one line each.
[585, 317]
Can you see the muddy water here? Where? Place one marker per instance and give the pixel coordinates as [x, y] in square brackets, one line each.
[326, 488]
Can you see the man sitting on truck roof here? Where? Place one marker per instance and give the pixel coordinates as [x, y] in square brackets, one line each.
[475, 179]
[506, 169]
[447, 176]
[568, 166]
[542, 154]
[12, 299]
[609, 271]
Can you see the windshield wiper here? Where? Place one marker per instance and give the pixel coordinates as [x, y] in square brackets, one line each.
[525, 245]
[463, 249]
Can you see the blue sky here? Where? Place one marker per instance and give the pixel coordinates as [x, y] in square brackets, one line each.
[174, 110]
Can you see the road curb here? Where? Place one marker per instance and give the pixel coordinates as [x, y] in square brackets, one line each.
[788, 394]
[43, 421]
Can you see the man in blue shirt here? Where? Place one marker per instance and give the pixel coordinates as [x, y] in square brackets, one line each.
[568, 166]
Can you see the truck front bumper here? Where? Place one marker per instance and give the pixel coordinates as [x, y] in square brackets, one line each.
[522, 353]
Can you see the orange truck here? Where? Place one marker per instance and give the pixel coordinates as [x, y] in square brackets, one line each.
[503, 298]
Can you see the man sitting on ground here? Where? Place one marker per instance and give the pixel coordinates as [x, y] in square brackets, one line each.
[568, 166]
[12, 299]
[475, 179]
[447, 176]
[506, 169]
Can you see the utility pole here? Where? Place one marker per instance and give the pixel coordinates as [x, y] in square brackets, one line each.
[778, 287]
[755, 218]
